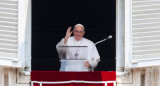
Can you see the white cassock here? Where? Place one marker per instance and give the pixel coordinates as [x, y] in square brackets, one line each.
[73, 58]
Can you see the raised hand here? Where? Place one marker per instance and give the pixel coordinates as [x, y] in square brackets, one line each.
[68, 34]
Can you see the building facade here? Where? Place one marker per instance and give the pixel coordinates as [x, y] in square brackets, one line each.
[137, 42]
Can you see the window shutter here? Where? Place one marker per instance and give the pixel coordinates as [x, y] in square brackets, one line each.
[142, 33]
[10, 34]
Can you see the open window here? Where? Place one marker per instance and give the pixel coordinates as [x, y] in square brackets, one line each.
[142, 33]
[49, 27]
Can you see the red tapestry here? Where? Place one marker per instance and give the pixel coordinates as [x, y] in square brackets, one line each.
[53, 76]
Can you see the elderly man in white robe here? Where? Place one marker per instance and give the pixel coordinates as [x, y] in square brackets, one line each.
[88, 60]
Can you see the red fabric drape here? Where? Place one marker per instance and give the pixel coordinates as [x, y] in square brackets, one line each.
[50, 76]
[75, 84]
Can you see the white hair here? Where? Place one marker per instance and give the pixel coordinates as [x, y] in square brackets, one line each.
[79, 25]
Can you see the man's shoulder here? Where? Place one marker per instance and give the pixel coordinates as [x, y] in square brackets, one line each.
[88, 41]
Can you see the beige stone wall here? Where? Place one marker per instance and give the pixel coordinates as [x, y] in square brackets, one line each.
[12, 77]
[140, 77]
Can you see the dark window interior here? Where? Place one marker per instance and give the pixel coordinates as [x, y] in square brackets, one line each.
[51, 18]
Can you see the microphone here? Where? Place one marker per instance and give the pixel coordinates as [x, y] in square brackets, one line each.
[109, 37]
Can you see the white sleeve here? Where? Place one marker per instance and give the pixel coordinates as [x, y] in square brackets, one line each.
[94, 62]
[95, 57]
[61, 51]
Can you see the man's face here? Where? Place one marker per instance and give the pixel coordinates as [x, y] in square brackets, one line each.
[78, 32]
